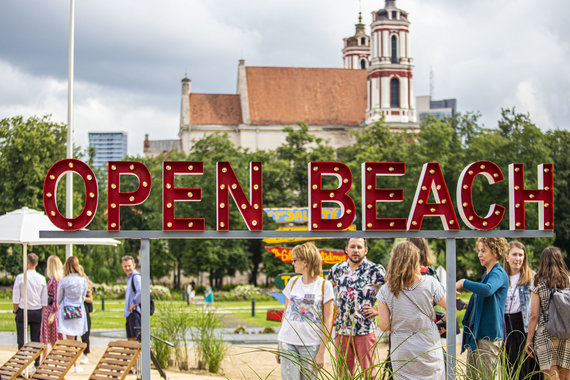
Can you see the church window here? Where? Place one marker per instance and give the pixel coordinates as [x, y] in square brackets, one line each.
[394, 92]
[394, 15]
[394, 45]
[362, 63]
[362, 41]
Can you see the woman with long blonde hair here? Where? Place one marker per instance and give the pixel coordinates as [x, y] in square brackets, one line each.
[517, 311]
[48, 333]
[405, 306]
[553, 354]
[307, 320]
[71, 293]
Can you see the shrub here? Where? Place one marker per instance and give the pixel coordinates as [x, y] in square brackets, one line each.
[210, 346]
[173, 325]
[243, 293]
[117, 291]
[162, 351]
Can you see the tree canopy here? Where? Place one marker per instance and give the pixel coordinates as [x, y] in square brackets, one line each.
[29, 147]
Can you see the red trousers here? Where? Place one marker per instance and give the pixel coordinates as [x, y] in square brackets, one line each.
[355, 346]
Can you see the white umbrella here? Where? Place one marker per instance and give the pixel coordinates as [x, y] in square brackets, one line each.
[23, 226]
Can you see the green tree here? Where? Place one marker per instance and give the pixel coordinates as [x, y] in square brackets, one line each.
[300, 148]
[28, 148]
[558, 142]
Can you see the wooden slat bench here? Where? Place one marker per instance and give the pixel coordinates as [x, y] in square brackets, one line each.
[60, 360]
[118, 359]
[25, 356]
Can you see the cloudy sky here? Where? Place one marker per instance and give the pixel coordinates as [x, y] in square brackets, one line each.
[131, 55]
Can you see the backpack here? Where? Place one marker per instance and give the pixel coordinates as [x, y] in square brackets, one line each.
[558, 324]
[151, 297]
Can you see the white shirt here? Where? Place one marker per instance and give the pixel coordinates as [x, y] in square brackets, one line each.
[302, 322]
[513, 304]
[37, 290]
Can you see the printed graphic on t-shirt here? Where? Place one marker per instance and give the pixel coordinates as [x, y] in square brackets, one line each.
[303, 309]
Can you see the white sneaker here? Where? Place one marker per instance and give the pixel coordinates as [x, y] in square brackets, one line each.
[83, 359]
[78, 369]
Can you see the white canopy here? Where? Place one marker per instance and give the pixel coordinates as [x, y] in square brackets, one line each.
[23, 226]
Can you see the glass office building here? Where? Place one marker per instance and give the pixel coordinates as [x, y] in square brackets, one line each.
[109, 146]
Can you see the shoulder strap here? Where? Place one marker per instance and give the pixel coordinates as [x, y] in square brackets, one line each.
[294, 281]
[323, 296]
[133, 282]
[419, 308]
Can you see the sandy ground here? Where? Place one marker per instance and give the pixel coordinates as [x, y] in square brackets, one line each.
[240, 363]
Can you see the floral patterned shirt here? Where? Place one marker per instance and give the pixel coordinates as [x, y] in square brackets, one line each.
[354, 290]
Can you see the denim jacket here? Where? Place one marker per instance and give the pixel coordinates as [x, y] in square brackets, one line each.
[524, 296]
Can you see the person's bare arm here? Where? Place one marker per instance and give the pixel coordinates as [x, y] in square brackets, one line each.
[328, 310]
[277, 357]
[533, 319]
[383, 316]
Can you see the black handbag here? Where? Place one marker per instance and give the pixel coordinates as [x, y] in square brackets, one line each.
[441, 324]
[50, 299]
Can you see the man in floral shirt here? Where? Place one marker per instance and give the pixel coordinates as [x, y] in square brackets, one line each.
[357, 281]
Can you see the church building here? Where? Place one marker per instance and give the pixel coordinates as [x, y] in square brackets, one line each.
[374, 83]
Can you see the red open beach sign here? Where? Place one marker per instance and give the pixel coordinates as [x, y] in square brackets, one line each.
[431, 199]
[431, 183]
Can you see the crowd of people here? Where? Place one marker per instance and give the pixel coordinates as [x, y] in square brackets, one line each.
[504, 327]
[56, 308]
[507, 312]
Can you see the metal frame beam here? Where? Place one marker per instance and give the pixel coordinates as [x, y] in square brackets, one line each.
[451, 263]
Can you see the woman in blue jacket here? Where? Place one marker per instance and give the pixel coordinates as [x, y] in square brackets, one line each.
[517, 312]
[483, 331]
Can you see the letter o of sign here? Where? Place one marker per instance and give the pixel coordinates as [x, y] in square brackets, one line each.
[91, 194]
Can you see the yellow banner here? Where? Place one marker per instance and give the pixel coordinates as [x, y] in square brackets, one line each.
[297, 228]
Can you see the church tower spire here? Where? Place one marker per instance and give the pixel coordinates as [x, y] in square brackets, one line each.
[356, 51]
[390, 72]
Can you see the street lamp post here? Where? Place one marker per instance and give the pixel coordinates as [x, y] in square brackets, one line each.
[69, 181]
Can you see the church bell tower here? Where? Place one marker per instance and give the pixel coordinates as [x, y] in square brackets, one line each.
[389, 84]
[356, 51]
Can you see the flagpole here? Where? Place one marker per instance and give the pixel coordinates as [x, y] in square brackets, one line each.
[69, 181]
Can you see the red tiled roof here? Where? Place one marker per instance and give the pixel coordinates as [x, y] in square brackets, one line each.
[316, 96]
[220, 109]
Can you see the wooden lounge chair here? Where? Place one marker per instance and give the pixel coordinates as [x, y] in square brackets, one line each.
[60, 360]
[117, 360]
[25, 356]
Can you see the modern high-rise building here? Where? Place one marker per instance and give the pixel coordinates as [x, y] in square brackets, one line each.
[438, 108]
[109, 146]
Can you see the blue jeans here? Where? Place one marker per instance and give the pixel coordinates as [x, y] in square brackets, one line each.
[297, 362]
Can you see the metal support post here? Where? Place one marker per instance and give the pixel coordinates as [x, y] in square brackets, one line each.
[450, 263]
[145, 312]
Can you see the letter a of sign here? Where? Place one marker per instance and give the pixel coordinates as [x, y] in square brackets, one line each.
[518, 196]
[226, 182]
[318, 195]
[431, 179]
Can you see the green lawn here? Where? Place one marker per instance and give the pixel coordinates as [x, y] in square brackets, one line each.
[235, 313]
[112, 317]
